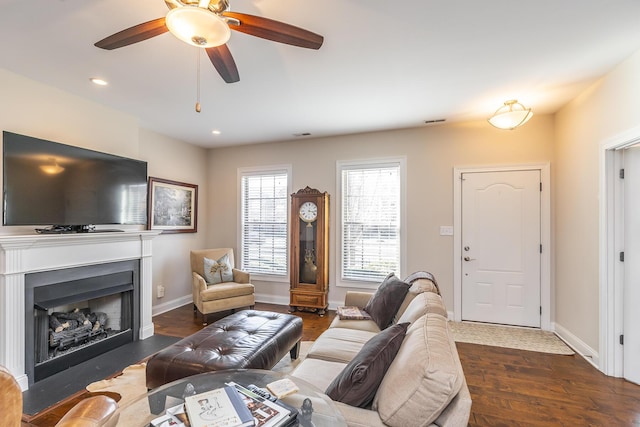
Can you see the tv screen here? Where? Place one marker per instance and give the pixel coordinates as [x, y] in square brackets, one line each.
[48, 183]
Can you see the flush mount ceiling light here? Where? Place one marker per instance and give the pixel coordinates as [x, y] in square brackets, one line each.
[198, 26]
[53, 168]
[511, 115]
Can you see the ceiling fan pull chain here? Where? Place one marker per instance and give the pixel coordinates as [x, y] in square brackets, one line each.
[198, 80]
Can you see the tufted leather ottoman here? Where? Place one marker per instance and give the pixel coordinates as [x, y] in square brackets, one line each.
[249, 339]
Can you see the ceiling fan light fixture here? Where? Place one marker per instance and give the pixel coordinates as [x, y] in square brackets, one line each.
[511, 115]
[52, 168]
[197, 27]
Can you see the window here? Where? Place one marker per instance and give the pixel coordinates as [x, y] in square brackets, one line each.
[264, 226]
[371, 200]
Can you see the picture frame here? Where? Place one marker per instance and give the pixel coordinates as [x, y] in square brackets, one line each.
[172, 206]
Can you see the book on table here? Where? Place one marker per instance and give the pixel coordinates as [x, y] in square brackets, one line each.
[266, 413]
[222, 407]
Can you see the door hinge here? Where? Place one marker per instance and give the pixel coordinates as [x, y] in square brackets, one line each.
[621, 256]
[541, 248]
[621, 173]
[540, 186]
[621, 339]
[541, 310]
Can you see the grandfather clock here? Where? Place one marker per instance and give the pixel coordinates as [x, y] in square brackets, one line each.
[309, 251]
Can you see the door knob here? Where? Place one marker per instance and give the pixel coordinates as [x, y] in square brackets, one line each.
[468, 259]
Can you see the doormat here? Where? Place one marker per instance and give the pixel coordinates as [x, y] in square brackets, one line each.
[509, 337]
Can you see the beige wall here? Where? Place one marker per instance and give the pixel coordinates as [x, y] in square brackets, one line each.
[431, 152]
[31, 108]
[182, 162]
[608, 108]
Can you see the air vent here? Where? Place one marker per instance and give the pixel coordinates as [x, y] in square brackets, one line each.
[429, 122]
[302, 134]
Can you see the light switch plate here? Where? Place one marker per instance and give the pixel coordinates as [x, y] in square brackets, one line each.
[446, 230]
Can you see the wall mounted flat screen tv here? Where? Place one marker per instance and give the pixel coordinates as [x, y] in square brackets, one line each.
[53, 184]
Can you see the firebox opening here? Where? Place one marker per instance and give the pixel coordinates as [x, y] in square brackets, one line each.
[79, 313]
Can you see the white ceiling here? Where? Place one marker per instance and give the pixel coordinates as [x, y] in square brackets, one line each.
[383, 64]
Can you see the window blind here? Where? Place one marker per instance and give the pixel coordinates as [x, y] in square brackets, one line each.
[370, 221]
[264, 223]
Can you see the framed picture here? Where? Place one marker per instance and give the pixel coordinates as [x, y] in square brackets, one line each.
[173, 206]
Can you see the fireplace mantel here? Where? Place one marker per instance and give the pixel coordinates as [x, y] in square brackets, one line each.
[23, 254]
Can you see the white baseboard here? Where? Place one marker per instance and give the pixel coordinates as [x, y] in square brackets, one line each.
[170, 305]
[579, 346]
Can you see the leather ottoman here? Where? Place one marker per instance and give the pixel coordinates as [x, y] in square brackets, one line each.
[248, 339]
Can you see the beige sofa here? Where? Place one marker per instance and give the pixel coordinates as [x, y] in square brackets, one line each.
[425, 384]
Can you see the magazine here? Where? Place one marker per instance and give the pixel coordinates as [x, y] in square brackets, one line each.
[222, 407]
[352, 313]
[265, 412]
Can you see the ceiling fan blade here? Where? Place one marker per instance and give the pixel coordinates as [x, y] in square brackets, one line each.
[221, 58]
[275, 30]
[134, 34]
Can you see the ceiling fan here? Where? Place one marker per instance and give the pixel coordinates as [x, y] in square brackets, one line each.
[207, 24]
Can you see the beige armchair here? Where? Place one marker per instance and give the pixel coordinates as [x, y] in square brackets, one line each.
[91, 412]
[228, 295]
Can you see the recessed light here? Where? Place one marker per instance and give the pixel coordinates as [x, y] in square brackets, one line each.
[99, 82]
[216, 132]
[302, 134]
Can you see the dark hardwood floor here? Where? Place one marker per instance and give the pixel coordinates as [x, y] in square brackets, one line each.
[508, 387]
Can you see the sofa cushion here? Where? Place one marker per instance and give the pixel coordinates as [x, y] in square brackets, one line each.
[363, 325]
[226, 290]
[424, 377]
[218, 271]
[417, 287]
[318, 372]
[339, 344]
[359, 380]
[384, 304]
[426, 302]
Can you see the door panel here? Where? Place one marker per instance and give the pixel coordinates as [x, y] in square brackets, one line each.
[631, 286]
[501, 247]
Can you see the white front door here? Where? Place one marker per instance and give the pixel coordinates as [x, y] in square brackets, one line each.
[631, 286]
[501, 247]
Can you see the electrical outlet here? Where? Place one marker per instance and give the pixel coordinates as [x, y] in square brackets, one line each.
[160, 291]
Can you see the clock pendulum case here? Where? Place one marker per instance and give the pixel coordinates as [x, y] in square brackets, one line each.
[309, 251]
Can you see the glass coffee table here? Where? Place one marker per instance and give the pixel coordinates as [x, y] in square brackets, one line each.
[319, 410]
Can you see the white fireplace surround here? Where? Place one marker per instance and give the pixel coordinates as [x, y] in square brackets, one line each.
[23, 254]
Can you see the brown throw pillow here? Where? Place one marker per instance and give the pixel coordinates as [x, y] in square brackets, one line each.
[358, 382]
[384, 304]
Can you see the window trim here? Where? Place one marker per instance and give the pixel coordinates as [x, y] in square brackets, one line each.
[264, 170]
[341, 165]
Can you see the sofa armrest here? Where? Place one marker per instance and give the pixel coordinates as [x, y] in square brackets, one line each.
[357, 298]
[240, 276]
[93, 411]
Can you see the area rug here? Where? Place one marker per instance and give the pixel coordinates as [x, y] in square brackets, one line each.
[509, 337]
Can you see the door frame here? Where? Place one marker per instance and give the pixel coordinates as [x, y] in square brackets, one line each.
[545, 231]
[611, 242]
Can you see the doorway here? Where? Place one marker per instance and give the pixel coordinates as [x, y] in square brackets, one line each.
[619, 276]
[511, 283]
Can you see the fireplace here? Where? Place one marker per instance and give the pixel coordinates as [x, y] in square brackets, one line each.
[75, 314]
[26, 257]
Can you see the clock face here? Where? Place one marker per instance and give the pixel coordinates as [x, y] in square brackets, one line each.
[308, 211]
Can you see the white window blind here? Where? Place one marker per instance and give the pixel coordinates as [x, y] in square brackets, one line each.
[371, 203]
[264, 222]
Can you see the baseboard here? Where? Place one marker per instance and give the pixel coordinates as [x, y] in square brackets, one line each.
[282, 300]
[170, 305]
[579, 346]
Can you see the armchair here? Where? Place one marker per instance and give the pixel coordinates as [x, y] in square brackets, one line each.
[228, 295]
[91, 412]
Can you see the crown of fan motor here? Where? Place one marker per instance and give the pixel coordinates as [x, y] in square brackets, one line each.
[215, 6]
